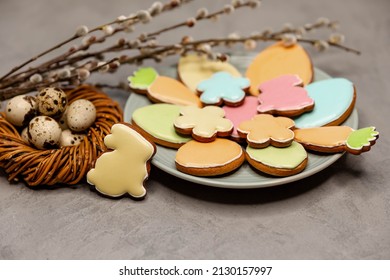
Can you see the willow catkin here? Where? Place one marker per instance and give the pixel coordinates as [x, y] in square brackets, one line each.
[66, 165]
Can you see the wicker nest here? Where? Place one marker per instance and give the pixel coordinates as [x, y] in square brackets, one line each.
[67, 165]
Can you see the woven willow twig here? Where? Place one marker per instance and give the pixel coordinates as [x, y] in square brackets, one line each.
[67, 165]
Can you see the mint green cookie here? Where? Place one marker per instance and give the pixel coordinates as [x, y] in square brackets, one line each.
[143, 78]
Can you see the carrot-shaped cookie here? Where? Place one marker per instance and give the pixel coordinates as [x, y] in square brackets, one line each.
[264, 130]
[161, 89]
[337, 139]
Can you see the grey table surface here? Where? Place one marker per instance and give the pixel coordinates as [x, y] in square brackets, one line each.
[340, 213]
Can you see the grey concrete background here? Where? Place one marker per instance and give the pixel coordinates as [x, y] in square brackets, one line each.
[340, 213]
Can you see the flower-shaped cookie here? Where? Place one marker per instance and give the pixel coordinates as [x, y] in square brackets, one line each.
[223, 88]
[203, 124]
[264, 130]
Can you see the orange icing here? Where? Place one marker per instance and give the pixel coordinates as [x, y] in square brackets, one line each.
[168, 90]
[276, 61]
[327, 136]
[202, 155]
[262, 128]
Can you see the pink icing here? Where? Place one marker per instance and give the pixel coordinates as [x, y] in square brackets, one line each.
[241, 113]
[283, 94]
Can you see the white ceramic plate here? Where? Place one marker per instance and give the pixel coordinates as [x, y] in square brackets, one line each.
[245, 177]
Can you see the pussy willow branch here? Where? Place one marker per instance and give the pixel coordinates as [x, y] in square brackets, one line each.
[167, 7]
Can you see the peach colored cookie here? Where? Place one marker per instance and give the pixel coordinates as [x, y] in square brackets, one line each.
[223, 88]
[284, 96]
[209, 159]
[337, 139]
[161, 89]
[277, 60]
[157, 121]
[126, 166]
[246, 111]
[279, 162]
[334, 102]
[264, 130]
[204, 124]
[194, 68]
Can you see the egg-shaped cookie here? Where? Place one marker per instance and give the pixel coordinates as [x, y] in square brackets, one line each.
[209, 159]
[157, 121]
[277, 60]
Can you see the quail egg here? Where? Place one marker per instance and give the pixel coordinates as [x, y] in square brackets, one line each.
[24, 135]
[69, 138]
[52, 102]
[21, 109]
[62, 121]
[81, 114]
[44, 132]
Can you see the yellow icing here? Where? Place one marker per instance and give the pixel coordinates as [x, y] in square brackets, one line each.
[327, 136]
[202, 155]
[205, 122]
[168, 90]
[276, 61]
[194, 68]
[262, 128]
[124, 169]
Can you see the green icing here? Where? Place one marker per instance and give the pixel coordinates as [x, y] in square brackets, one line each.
[143, 78]
[157, 120]
[288, 158]
[362, 137]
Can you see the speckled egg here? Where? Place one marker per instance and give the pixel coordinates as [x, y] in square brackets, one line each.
[81, 114]
[69, 138]
[21, 109]
[44, 132]
[62, 121]
[24, 135]
[52, 102]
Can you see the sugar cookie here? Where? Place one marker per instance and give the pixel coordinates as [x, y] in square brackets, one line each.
[203, 124]
[161, 89]
[277, 60]
[157, 121]
[126, 166]
[284, 96]
[223, 88]
[337, 139]
[334, 101]
[209, 159]
[244, 112]
[194, 68]
[278, 161]
[264, 130]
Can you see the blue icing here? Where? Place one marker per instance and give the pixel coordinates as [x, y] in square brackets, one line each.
[224, 86]
[332, 98]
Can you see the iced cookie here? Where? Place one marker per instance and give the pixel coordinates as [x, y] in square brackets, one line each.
[203, 124]
[126, 166]
[278, 60]
[209, 159]
[334, 101]
[246, 111]
[284, 96]
[161, 89]
[336, 139]
[264, 130]
[223, 88]
[157, 121]
[194, 68]
[278, 161]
